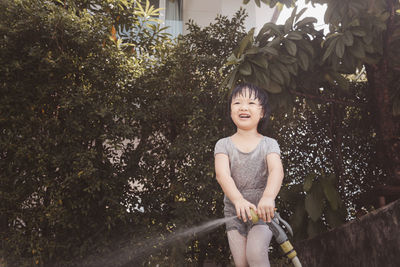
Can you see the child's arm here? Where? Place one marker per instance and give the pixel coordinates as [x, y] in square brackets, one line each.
[227, 184]
[266, 205]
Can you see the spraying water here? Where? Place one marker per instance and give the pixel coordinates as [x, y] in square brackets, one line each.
[134, 252]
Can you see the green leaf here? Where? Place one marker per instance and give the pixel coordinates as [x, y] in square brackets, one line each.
[290, 46]
[348, 38]
[245, 68]
[308, 181]
[284, 71]
[331, 46]
[357, 31]
[307, 47]
[329, 12]
[249, 79]
[246, 2]
[300, 13]
[276, 74]
[331, 194]
[285, 59]
[294, 36]
[263, 35]
[231, 59]
[340, 47]
[305, 21]
[314, 202]
[289, 21]
[263, 80]
[274, 88]
[252, 51]
[292, 68]
[276, 42]
[303, 60]
[269, 50]
[260, 61]
[247, 41]
[258, 3]
[271, 26]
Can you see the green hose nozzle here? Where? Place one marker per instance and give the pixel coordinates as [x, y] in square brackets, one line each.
[254, 216]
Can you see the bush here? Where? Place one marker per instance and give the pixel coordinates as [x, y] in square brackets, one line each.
[62, 109]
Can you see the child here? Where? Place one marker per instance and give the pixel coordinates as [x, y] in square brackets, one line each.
[249, 170]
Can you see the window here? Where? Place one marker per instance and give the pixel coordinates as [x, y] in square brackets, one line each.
[173, 10]
[171, 15]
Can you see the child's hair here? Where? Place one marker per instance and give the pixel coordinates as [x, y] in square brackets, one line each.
[259, 94]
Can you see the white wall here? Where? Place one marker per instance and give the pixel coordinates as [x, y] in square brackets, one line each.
[203, 12]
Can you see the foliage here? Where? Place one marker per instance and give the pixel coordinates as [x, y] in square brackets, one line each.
[272, 3]
[295, 62]
[281, 57]
[132, 24]
[63, 119]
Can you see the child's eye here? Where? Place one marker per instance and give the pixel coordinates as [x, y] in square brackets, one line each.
[235, 103]
[252, 102]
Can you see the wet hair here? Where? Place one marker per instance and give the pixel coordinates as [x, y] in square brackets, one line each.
[259, 94]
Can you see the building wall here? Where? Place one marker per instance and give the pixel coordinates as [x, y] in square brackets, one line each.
[203, 12]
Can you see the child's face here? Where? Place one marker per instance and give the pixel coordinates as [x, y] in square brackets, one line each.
[246, 110]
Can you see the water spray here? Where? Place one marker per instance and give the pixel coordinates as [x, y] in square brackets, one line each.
[280, 235]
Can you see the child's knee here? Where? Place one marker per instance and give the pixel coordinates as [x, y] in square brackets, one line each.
[257, 257]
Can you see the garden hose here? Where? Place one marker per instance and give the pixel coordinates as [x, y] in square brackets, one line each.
[280, 236]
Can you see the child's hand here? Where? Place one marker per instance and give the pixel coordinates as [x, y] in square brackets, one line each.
[243, 208]
[265, 209]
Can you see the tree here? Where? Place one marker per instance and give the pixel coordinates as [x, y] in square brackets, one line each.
[294, 60]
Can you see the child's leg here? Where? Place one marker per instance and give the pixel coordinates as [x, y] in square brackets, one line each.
[257, 246]
[237, 244]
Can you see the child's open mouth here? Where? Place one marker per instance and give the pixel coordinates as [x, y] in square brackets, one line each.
[244, 116]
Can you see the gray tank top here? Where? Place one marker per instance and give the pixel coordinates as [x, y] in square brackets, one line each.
[249, 172]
